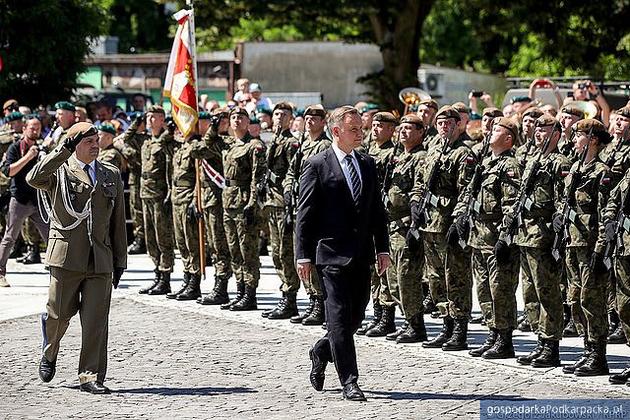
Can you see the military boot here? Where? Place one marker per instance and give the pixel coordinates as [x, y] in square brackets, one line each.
[386, 325]
[193, 288]
[490, 340]
[416, 332]
[297, 319]
[378, 314]
[527, 360]
[502, 348]
[596, 364]
[394, 335]
[317, 316]
[620, 378]
[460, 334]
[613, 322]
[550, 355]
[443, 336]
[288, 310]
[18, 250]
[617, 337]
[570, 330]
[156, 280]
[240, 293]
[137, 247]
[218, 295]
[570, 369]
[281, 304]
[163, 286]
[248, 303]
[428, 304]
[32, 255]
[173, 295]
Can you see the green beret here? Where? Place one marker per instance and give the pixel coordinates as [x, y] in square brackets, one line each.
[386, 117]
[240, 111]
[593, 126]
[284, 105]
[412, 119]
[84, 128]
[14, 116]
[572, 110]
[534, 112]
[315, 110]
[447, 112]
[461, 107]
[156, 109]
[624, 112]
[263, 111]
[203, 115]
[65, 105]
[367, 108]
[520, 99]
[107, 128]
[430, 103]
[508, 124]
[254, 120]
[492, 112]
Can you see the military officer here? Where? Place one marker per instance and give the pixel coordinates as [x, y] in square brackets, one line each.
[87, 244]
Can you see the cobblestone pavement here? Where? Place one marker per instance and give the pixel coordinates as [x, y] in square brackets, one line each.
[181, 360]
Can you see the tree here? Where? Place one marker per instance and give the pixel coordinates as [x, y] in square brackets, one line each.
[43, 45]
[140, 25]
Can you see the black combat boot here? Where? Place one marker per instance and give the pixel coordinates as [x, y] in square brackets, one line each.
[618, 336]
[173, 295]
[428, 304]
[620, 378]
[289, 308]
[248, 303]
[386, 325]
[32, 254]
[394, 335]
[613, 321]
[193, 288]
[460, 334]
[502, 348]
[240, 293]
[416, 332]
[596, 364]
[570, 369]
[218, 295]
[443, 336]
[163, 286]
[317, 316]
[378, 314]
[527, 359]
[550, 355]
[492, 337]
[281, 304]
[137, 247]
[156, 280]
[297, 319]
[570, 330]
[19, 248]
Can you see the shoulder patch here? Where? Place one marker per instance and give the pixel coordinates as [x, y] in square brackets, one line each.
[470, 160]
[295, 145]
[564, 173]
[605, 180]
[510, 174]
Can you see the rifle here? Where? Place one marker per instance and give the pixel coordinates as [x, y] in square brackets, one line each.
[389, 171]
[568, 214]
[515, 220]
[611, 159]
[269, 175]
[475, 186]
[297, 166]
[614, 241]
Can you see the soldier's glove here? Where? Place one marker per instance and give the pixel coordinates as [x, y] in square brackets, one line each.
[170, 125]
[502, 252]
[610, 231]
[413, 242]
[557, 222]
[597, 263]
[192, 213]
[417, 216]
[139, 118]
[215, 120]
[451, 235]
[248, 215]
[463, 227]
[71, 143]
[118, 272]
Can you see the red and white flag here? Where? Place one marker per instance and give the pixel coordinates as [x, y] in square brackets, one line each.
[180, 84]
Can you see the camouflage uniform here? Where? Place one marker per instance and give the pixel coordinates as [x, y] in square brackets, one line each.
[7, 138]
[431, 138]
[131, 150]
[112, 156]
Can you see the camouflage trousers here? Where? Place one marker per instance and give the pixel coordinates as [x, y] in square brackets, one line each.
[158, 229]
[215, 234]
[281, 239]
[622, 273]
[539, 265]
[501, 281]
[434, 245]
[530, 298]
[458, 281]
[481, 279]
[405, 275]
[587, 294]
[187, 238]
[135, 207]
[242, 241]
[30, 233]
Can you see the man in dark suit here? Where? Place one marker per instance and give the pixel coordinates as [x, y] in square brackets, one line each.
[341, 228]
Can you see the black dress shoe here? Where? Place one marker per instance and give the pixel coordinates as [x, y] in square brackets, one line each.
[318, 371]
[352, 392]
[95, 388]
[46, 370]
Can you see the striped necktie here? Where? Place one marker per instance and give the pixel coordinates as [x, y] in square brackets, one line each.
[354, 179]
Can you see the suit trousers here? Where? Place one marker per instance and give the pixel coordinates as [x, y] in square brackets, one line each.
[346, 295]
[89, 294]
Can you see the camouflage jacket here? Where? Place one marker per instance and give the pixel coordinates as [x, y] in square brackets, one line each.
[307, 149]
[157, 166]
[618, 201]
[112, 156]
[405, 173]
[382, 155]
[280, 152]
[617, 156]
[131, 150]
[184, 175]
[210, 191]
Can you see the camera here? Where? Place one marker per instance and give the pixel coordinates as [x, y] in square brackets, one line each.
[476, 93]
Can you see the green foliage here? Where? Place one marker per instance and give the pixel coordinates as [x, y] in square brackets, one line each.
[140, 25]
[43, 44]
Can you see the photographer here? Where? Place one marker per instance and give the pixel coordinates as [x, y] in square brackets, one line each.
[20, 158]
[585, 90]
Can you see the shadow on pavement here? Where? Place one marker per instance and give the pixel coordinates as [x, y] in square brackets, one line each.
[403, 395]
[207, 390]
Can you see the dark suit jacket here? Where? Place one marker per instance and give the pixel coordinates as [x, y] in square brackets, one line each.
[330, 229]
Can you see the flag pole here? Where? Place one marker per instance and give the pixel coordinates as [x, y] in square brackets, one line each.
[199, 201]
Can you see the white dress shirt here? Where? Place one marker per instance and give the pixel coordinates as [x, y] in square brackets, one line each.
[92, 171]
